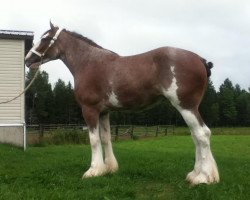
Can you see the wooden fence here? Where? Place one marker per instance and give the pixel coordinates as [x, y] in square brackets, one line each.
[36, 132]
[135, 131]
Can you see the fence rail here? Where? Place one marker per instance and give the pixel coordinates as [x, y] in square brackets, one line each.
[134, 131]
[37, 132]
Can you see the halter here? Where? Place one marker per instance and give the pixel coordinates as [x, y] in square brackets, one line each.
[52, 41]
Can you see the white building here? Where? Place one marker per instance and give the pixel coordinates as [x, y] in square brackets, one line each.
[13, 47]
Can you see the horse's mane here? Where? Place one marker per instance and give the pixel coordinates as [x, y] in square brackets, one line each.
[85, 39]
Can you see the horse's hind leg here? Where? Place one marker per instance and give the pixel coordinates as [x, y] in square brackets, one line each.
[110, 160]
[205, 169]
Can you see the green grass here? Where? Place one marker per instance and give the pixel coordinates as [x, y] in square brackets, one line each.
[217, 131]
[231, 131]
[149, 169]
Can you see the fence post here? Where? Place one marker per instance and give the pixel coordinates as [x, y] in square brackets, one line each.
[116, 132]
[157, 130]
[132, 132]
[41, 131]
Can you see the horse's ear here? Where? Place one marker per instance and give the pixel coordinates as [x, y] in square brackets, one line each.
[51, 25]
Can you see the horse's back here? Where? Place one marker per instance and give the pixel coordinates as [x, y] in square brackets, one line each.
[165, 57]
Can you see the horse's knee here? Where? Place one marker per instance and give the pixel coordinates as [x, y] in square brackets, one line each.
[202, 137]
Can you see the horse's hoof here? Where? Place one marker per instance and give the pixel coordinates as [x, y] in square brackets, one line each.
[191, 175]
[95, 171]
[200, 178]
[111, 166]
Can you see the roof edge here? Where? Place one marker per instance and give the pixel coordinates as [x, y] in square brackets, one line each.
[13, 34]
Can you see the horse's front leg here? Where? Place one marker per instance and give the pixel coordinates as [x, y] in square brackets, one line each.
[97, 167]
[110, 160]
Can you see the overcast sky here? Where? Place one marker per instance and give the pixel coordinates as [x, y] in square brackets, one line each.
[218, 30]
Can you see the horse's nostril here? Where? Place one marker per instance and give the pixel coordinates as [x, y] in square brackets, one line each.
[27, 63]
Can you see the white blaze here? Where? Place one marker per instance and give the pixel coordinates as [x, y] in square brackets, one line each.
[33, 48]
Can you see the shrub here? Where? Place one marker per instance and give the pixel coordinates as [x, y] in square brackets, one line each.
[68, 136]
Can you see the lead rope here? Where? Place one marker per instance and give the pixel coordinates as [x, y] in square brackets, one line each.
[26, 88]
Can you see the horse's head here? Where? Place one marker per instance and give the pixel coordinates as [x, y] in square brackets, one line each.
[45, 50]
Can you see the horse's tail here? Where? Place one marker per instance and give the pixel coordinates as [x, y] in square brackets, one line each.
[208, 66]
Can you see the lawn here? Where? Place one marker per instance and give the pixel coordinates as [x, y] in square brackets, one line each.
[152, 168]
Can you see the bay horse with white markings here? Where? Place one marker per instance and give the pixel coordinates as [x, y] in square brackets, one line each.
[106, 81]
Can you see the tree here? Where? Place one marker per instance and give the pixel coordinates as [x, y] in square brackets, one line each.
[74, 113]
[60, 95]
[248, 109]
[209, 107]
[242, 102]
[228, 110]
[66, 110]
[39, 99]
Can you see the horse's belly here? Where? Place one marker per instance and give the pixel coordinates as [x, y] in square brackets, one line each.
[132, 101]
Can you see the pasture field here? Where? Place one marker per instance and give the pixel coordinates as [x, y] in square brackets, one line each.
[153, 168]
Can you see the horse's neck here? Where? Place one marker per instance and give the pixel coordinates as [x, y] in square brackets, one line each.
[76, 54]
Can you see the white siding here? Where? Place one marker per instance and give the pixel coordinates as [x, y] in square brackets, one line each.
[11, 81]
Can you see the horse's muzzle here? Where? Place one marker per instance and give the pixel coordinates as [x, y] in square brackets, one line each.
[32, 65]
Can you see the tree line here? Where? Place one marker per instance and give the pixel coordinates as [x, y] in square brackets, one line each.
[230, 106]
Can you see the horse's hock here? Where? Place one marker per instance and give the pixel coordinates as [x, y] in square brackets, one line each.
[13, 46]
